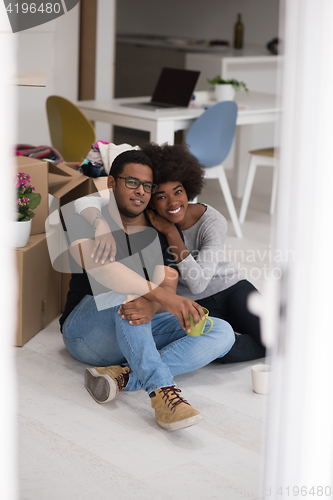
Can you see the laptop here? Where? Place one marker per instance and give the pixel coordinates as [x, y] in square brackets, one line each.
[174, 89]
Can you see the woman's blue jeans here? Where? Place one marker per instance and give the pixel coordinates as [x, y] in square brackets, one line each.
[155, 351]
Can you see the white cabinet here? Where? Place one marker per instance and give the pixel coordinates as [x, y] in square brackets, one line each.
[252, 65]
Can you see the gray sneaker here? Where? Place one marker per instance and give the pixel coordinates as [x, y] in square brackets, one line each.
[104, 382]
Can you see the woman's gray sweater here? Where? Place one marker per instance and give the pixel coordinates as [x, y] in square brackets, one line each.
[206, 271]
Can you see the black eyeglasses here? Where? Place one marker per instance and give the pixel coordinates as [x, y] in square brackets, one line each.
[134, 183]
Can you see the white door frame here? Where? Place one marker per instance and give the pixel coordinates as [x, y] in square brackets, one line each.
[105, 59]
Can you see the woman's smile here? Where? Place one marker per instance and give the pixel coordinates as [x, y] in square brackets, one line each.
[174, 211]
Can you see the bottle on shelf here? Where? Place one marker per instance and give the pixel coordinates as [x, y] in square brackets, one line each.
[238, 33]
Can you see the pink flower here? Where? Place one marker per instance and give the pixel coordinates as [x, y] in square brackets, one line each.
[23, 186]
[23, 201]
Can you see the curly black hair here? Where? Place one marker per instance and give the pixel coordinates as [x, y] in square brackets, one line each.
[176, 164]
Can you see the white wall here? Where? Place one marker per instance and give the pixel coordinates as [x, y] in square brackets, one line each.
[199, 19]
[53, 48]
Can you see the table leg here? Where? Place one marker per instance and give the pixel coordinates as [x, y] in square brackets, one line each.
[163, 132]
[243, 142]
[104, 131]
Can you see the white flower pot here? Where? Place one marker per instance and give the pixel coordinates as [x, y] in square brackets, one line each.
[224, 92]
[21, 233]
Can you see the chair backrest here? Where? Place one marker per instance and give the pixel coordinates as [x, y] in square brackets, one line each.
[71, 132]
[210, 137]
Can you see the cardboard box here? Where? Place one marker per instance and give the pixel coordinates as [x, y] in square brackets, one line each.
[39, 289]
[67, 184]
[38, 170]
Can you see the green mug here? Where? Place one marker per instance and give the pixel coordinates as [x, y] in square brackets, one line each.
[199, 330]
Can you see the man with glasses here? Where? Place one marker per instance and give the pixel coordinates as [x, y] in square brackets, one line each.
[150, 350]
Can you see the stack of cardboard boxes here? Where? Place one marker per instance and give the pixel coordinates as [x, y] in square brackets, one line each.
[42, 291]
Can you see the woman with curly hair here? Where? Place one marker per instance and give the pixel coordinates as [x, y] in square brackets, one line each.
[205, 275]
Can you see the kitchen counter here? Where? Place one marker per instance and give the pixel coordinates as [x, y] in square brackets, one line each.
[189, 45]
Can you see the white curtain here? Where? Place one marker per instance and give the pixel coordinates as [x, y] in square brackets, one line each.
[300, 428]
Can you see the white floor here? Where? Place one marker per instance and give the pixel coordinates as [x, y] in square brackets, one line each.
[72, 448]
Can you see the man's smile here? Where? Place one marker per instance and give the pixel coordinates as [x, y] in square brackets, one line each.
[137, 201]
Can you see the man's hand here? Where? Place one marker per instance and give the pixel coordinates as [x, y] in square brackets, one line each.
[105, 245]
[138, 310]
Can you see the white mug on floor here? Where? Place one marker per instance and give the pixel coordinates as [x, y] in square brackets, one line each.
[261, 375]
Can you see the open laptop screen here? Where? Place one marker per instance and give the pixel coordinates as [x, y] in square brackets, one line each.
[175, 87]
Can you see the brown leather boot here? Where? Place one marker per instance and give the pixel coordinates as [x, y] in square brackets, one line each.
[173, 412]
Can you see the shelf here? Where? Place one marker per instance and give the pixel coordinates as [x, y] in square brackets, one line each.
[30, 79]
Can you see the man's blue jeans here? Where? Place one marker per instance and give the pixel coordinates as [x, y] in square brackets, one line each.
[155, 351]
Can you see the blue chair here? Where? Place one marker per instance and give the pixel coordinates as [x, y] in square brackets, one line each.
[209, 140]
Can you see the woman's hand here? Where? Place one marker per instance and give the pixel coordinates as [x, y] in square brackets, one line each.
[138, 310]
[182, 307]
[105, 245]
[160, 223]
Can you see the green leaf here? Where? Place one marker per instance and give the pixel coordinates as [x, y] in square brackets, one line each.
[30, 214]
[237, 85]
[24, 214]
[35, 199]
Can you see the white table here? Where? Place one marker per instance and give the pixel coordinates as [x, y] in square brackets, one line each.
[253, 108]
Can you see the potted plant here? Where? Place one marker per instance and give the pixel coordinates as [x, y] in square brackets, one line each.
[225, 89]
[27, 201]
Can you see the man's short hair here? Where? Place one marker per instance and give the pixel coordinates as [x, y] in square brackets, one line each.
[131, 156]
